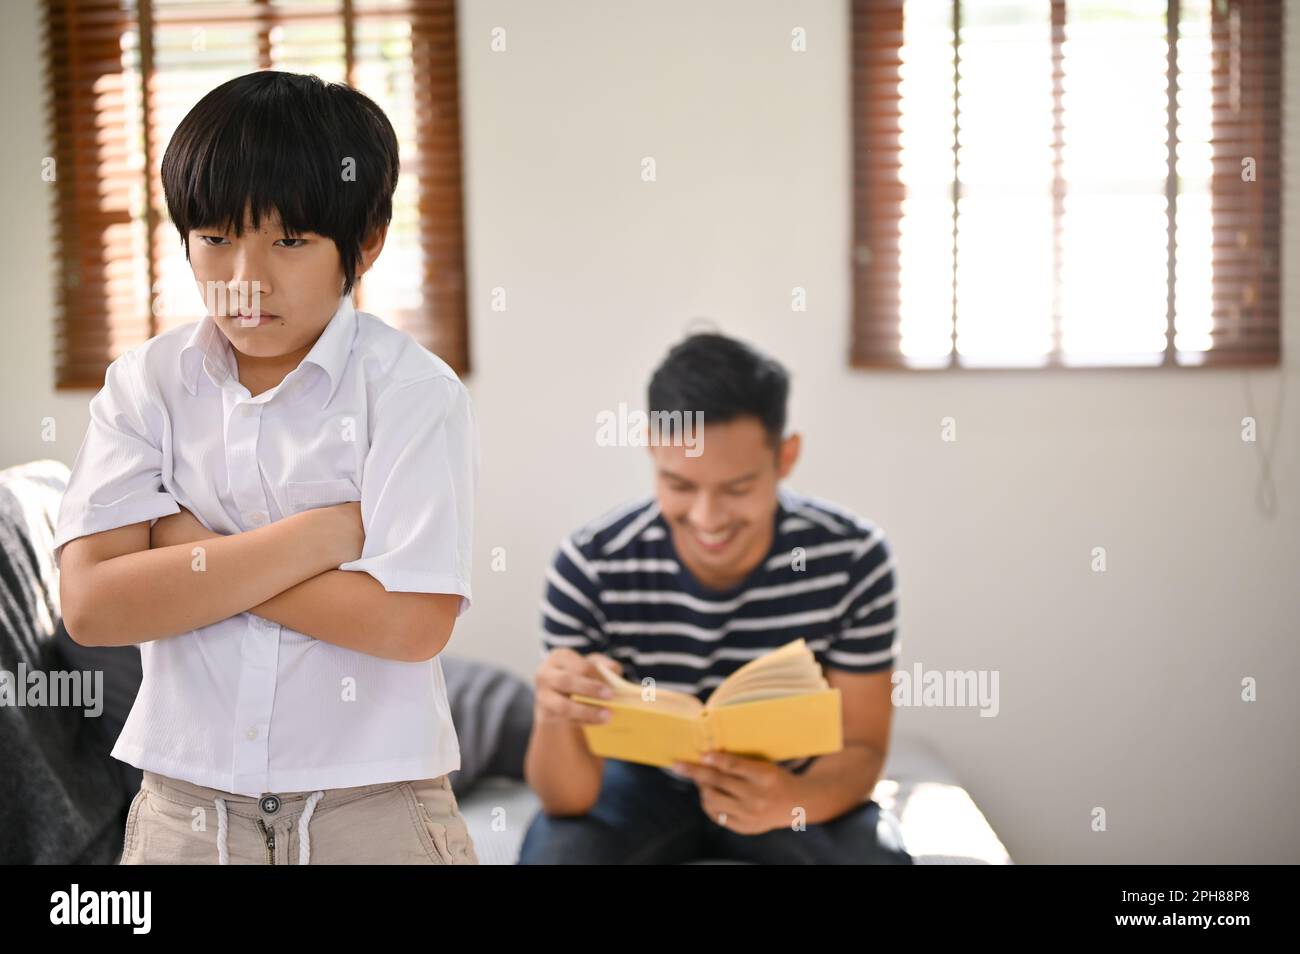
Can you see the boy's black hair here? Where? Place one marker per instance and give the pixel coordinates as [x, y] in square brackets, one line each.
[724, 379]
[275, 141]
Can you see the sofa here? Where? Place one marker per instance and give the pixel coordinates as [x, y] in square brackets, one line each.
[940, 822]
[63, 798]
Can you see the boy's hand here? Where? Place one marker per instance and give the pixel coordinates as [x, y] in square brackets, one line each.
[339, 530]
[565, 671]
[182, 527]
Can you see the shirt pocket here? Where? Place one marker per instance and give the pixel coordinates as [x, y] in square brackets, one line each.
[310, 494]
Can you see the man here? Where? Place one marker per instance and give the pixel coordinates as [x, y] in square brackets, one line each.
[720, 566]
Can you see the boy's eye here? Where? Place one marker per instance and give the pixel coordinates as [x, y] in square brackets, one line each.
[216, 239]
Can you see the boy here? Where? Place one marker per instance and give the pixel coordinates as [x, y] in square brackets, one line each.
[720, 566]
[276, 504]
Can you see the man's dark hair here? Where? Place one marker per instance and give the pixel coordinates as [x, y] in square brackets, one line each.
[274, 141]
[724, 379]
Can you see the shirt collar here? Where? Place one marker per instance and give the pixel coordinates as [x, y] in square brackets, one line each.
[209, 350]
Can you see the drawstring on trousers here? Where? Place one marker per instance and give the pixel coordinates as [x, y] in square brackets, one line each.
[223, 852]
[304, 835]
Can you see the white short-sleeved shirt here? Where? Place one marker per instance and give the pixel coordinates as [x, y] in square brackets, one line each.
[247, 705]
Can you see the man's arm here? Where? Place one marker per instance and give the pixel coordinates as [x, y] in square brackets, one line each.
[558, 766]
[116, 591]
[758, 795]
[835, 783]
[349, 609]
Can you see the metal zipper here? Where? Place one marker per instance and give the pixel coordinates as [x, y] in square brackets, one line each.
[270, 842]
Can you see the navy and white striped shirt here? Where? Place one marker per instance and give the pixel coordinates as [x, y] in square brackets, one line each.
[617, 586]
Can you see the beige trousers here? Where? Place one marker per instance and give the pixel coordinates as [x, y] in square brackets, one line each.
[172, 821]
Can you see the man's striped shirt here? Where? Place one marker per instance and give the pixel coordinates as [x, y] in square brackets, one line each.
[617, 586]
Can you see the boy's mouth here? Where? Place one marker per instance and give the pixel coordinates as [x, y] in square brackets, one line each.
[249, 321]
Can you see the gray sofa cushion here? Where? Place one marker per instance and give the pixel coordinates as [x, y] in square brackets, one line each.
[492, 710]
[61, 799]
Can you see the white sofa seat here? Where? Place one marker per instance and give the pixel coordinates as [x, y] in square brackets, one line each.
[941, 823]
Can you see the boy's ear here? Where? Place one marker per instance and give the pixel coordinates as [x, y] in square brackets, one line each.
[371, 248]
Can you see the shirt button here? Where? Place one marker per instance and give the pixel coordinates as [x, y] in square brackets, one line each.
[251, 733]
[257, 518]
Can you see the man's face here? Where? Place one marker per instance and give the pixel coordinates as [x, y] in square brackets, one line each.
[721, 503]
[298, 283]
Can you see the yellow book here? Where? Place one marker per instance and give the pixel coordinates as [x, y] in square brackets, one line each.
[778, 706]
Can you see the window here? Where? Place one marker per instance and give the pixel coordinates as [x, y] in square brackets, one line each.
[122, 75]
[1071, 183]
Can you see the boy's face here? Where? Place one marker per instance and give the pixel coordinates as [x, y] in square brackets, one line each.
[720, 504]
[298, 285]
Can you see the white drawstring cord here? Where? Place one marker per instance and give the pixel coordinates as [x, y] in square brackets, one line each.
[304, 837]
[223, 829]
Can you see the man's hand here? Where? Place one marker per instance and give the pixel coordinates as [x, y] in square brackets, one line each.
[744, 795]
[182, 527]
[565, 672]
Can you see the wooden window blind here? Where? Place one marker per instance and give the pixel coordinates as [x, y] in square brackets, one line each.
[123, 73]
[1061, 183]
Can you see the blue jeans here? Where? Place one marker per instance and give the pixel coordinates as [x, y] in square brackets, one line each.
[645, 816]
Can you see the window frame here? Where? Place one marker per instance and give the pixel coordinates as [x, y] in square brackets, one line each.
[878, 193]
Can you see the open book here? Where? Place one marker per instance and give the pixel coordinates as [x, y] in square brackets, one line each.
[778, 706]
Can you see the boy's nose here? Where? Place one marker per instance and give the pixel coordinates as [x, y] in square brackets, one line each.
[249, 294]
[250, 275]
[248, 287]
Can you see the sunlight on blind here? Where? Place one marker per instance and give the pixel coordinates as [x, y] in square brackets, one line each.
[1004, 213]
[1115, 228]
[925, 242]
[392, 290]
[1193, 272]
[1113, 231]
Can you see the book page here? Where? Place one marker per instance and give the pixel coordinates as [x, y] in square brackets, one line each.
[788, 671]
[633, 694]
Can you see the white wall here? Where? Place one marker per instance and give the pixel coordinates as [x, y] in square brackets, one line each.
[1118, 690]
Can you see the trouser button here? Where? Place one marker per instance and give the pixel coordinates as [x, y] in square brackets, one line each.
[270, 804]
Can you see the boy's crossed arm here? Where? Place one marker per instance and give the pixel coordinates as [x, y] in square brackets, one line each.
[117, 590]
[349, 609]
[353, 610]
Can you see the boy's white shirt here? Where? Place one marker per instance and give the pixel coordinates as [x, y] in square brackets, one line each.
[246, 705]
